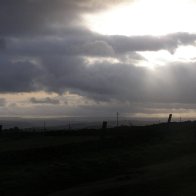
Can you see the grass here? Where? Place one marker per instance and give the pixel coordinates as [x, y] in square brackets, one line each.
[158, 160]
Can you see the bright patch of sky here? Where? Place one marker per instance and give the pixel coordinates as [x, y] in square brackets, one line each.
[143, 17]
[150, 17]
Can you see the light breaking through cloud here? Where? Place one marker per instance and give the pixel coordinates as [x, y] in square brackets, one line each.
[49, 47]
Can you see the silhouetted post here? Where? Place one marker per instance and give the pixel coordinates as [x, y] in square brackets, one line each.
[104, 127]
[169, 119]
[1, 126]
[117, 119]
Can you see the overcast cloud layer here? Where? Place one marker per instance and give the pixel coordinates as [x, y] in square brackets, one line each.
[45, 46]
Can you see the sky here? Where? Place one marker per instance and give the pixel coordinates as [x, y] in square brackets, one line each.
[96, 58]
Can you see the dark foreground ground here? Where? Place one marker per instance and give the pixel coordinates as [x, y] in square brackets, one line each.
[154, 160]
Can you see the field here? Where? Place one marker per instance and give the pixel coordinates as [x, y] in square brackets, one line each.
[150, 160]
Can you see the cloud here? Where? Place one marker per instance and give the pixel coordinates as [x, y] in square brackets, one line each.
[29, 17]
[124, 44]
[2, 44]
[18, 76]
[105, 81]
[81, 42]
[43, 27]
[44, 46]
[2, 102]
[46, 100]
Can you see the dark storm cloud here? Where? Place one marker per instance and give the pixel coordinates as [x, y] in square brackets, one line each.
[2, 44]
[48, 26]
[46, 100]
[22, 17]
[100, 81]
[18, 76]
[104, 82]
[67, 45]
[123, 44]
[81, 42]
[44, 44]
